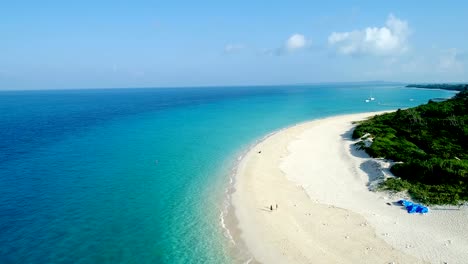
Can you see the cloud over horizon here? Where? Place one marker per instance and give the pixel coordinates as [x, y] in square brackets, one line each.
[391, 39]
[295, 42]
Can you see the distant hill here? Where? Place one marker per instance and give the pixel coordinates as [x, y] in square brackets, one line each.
[430, 144]
[444, 86]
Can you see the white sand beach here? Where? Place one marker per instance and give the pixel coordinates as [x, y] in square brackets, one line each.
[326, 213]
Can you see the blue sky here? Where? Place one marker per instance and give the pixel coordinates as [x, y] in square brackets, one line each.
[98, 44]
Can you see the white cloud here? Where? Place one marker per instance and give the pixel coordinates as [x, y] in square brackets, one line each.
[295, 42]
[448, 61]
[231, 48]
[391, 39]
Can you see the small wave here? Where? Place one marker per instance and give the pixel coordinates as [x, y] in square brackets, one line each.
[248, 261]
[226, 232]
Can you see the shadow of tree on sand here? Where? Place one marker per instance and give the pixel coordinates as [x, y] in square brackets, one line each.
[370, 167]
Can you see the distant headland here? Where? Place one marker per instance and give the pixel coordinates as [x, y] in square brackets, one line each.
[443, 86]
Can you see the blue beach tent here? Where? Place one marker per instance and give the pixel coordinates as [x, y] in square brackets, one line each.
[412, 208]
[422, 209]
[405, 203]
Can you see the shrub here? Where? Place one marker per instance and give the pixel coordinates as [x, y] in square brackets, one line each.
[431, 141]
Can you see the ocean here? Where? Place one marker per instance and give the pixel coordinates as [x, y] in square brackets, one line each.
[140, 175]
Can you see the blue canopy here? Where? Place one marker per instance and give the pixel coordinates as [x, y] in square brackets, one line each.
[412, 208]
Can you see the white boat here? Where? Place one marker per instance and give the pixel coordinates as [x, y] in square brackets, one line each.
[371, 98]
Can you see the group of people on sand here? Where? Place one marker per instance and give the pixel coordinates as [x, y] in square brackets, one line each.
[271, 207]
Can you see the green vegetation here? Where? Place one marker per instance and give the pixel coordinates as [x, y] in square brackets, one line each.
[430, 144]
[444, 86]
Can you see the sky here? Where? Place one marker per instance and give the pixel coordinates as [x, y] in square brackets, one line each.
[107, 44]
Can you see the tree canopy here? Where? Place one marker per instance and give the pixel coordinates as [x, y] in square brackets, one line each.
[430, 144]
[444, 86]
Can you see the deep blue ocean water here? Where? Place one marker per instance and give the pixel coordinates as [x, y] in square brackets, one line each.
[139, 175]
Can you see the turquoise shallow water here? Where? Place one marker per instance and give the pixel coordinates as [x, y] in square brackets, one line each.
[139, 175]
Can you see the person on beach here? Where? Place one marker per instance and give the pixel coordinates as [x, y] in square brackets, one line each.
[276, 206]
[271, 207]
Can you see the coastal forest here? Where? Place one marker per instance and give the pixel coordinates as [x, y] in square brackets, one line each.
[429, 145]
[444, 86]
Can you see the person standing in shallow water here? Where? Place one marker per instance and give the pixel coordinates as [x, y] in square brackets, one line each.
[271, 207]
[276, 206]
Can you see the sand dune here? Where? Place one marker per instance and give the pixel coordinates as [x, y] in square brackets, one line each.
[326, 213]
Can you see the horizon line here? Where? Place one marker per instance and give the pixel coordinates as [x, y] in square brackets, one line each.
[211, 86]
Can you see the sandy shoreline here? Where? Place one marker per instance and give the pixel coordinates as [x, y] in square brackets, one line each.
[326, 213]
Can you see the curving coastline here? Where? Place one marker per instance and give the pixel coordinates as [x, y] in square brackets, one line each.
[326, 213]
